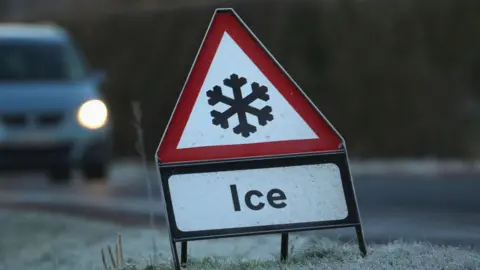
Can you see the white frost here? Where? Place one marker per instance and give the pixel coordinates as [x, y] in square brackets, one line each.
[45, 241]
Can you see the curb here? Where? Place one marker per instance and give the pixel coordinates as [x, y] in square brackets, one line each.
[415, 167]
[371, 167]
[116, 216]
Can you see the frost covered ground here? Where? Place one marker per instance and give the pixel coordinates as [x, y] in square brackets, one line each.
[46, 241]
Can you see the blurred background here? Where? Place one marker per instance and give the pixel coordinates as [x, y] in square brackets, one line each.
[398, 79]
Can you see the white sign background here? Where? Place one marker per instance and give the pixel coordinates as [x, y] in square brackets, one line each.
[199, 131]
[203, 201]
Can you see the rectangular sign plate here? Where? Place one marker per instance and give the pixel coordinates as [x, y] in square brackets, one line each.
[258, 197]
[282, 194]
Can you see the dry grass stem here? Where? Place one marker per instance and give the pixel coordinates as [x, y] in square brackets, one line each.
[122, 261]
[140, 147]
[103, 259]
[111, 257]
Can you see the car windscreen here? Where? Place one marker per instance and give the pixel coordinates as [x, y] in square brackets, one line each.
[39, 61]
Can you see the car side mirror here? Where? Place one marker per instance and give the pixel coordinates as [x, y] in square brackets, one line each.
[98, 76]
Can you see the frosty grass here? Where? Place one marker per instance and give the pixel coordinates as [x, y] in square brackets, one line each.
[43, 241]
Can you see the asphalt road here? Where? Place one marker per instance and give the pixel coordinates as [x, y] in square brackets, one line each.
[441, 210]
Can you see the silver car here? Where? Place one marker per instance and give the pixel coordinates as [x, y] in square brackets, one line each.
[52, 116]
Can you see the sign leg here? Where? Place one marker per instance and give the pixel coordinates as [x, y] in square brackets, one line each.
[284, 247]
[361, 240]
[183, 253]
[176, 263]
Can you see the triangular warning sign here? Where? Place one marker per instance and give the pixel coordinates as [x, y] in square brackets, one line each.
[238, 102]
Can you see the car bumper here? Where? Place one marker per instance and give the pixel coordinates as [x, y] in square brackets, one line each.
[94, 148]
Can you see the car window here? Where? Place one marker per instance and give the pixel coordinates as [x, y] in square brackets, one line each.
[39, 61]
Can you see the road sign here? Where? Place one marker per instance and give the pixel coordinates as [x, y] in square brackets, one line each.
[246, 152]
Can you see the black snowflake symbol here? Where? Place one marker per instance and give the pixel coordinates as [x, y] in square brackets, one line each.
[240, 105]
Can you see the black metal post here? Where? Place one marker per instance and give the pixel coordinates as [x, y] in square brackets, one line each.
[284, 247]
[361, 240]
[176, 263]
[183, 253]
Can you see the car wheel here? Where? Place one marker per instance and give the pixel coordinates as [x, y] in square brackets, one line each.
[95, 172]
[60, 175]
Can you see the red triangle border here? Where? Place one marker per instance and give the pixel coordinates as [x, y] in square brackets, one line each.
[228, 21]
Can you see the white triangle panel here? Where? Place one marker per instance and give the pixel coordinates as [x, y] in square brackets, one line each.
[200, 131]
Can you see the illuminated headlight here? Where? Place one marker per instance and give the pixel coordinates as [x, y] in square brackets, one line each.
[93, 114]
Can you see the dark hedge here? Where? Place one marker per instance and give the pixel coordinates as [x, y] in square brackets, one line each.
[397, 78]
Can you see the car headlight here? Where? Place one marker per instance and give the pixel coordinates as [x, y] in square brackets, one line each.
[93, 114]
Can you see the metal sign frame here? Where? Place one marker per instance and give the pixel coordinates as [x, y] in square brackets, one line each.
[338, 157]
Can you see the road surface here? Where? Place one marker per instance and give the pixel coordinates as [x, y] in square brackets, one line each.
[441, 210]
